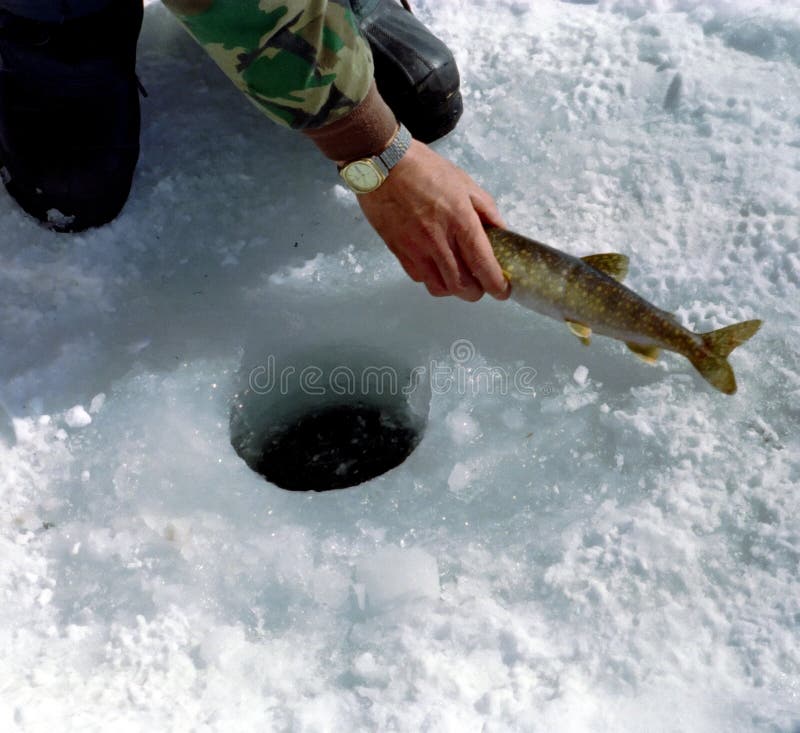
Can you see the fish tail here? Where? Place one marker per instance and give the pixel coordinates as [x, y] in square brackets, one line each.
[712, 362]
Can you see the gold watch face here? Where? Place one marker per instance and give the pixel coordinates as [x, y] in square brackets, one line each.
[362, 176]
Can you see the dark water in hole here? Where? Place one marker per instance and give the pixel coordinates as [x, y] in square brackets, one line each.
[336, 447]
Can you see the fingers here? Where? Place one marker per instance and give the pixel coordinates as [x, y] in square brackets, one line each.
[472, 290]
[433, 280]
[486, 209]
[442, 270]
[475, 248]
[423, 271]
[437, 291]
[412, 270]
[479, 259]
[464, 267]
[448, 275]
[456, 275]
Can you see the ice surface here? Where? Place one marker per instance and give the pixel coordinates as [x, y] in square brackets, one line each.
[393, 574]
[615, 548]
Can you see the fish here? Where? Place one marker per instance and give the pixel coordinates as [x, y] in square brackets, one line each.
[587, 294]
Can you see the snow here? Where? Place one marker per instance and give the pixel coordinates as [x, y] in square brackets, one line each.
[580, 542]
[580, 375]
[77, 417]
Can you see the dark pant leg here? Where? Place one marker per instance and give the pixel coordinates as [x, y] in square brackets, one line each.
[53, 11]
[69, 113]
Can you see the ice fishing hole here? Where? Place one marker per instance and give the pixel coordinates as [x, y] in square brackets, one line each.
[315, 423]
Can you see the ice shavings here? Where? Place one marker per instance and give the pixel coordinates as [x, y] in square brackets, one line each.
[77, 417]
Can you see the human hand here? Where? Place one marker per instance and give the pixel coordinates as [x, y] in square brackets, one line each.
[430, 213]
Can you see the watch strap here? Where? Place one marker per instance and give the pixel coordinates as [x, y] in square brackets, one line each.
[396, 149]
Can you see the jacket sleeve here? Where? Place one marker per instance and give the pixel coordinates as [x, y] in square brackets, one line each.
[303, 62]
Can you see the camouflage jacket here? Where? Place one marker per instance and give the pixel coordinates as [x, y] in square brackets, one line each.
[303, 62]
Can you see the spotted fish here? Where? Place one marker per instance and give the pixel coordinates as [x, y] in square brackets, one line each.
[588, 295]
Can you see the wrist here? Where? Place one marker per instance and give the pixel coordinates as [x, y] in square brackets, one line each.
[366, 175]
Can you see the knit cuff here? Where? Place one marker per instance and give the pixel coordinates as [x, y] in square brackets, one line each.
[366, 131]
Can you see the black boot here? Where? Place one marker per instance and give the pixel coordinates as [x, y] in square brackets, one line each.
[415, 72]
[69, 114]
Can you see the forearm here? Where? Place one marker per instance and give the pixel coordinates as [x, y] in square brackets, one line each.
[304, 63]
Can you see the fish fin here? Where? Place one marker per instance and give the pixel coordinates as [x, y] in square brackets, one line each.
[713, 363]
[584, 333]
[724, 340]
[648, 354]
[612, 264]
[507, 275]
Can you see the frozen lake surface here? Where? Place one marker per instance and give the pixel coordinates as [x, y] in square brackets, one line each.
[615, 547]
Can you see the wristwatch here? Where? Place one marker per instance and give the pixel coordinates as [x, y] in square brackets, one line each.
[367, 174]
